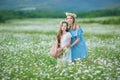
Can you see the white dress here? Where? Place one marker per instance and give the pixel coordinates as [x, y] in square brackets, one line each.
[65, 57]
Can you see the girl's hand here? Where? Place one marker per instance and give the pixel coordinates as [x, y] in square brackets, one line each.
[59, 49]
[55, 55]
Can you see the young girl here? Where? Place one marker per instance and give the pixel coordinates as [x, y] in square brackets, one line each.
[62, 52]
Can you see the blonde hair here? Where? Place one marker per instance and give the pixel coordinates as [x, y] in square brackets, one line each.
[73, 15]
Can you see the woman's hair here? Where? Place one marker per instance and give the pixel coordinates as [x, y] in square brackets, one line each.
[60, 32]
[73, 27]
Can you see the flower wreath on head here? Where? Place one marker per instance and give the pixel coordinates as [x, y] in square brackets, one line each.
[71, 14]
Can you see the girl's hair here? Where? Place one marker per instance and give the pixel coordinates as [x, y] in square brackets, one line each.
[60, 32]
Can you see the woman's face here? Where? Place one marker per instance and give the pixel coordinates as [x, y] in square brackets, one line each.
[64, 27]
[69, 20]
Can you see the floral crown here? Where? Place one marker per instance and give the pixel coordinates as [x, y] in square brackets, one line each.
[63, 21]
[71, 14]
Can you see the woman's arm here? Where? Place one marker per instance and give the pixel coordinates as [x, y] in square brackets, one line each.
[75, 42]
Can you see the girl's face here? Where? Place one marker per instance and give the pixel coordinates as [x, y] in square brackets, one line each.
[69, 20]
[64, 27]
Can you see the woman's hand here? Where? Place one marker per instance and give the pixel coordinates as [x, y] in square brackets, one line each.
[69, 46]
[75, 42]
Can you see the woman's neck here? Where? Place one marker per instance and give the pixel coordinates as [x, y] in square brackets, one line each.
[71, 25]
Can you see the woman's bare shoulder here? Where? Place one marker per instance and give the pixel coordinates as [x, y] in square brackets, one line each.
[77, 26]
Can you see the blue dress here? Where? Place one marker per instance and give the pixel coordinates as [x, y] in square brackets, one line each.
[79, 50]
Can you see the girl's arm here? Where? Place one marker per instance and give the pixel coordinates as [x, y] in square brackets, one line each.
[68, 42]
[56, 47]
[67, 45]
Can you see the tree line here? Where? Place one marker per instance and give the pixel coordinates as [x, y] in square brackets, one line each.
[12, 14]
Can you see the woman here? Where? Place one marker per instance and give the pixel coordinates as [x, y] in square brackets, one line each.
[78, 46]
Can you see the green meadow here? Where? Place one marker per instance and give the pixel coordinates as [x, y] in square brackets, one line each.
[25, 43]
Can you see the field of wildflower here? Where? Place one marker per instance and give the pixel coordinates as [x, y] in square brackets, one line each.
[24, 46]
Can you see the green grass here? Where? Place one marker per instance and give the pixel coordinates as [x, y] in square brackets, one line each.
[29, 32]
[23, 52]
[107, 20]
